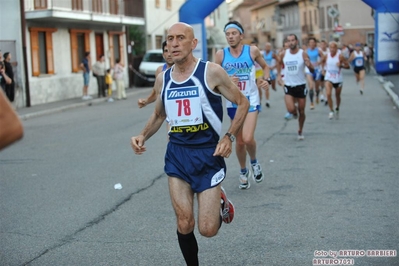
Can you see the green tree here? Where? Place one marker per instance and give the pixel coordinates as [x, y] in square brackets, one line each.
[136, 34]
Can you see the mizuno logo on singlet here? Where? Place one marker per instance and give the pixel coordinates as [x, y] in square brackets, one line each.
[183, 93]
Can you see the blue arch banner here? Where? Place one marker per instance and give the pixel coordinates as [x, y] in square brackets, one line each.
[386, 35]
[193, 12]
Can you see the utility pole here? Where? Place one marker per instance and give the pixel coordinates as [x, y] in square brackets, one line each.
[24, 55]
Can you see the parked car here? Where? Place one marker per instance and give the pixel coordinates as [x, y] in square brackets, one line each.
[148, 66]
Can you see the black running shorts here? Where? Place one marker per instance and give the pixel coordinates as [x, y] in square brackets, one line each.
[298, 91]
[358, 69]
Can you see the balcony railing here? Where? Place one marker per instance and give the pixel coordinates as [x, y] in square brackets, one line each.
[130, 8]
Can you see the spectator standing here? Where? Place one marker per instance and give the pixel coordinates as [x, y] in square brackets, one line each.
[99, 73]
[85, 66]
[118, 77]
[10, 87]
[108, 82]
[4, 79]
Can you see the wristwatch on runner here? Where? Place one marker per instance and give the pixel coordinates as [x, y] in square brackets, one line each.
[231, 136]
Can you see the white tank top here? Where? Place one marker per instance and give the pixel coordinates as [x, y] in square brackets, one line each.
[294, 67]
[324, 53]
[333, 72]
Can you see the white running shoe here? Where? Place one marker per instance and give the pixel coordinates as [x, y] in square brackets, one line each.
[257, 172]
[244, 182]
[300, 136]
[331, 115]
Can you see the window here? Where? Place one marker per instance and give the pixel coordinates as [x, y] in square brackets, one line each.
[157, 3]
[97, 6]
[305, 18]
[168, 4]
[113, 7]
[315, 17]
[158, 42]
[116, 48]
[80, 43]
[310, 21]
[40, 4]
[77, 5]
[322, 18]
[329, 20]
[116, 43]
[41, 41]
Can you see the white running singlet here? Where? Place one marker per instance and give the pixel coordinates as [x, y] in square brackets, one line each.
[294, 66]
[333, 72]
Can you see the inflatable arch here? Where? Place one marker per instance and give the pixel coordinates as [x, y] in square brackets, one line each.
[386, 41]
[194, 12]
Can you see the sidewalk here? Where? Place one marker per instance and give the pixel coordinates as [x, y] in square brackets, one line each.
[60, 106]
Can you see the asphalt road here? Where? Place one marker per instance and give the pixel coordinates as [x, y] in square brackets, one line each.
[336, 190]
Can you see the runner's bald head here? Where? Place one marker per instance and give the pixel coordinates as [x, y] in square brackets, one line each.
[184, 27]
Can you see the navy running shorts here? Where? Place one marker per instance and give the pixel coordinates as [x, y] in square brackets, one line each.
[195, 165]
[358, 69]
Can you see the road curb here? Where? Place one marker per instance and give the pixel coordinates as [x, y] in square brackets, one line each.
[387, 87]
[68, 107]
[54, 110]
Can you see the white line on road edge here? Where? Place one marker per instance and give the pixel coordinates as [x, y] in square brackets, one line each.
[387, 86]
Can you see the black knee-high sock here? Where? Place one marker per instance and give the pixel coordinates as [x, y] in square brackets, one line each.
[189, 248]
[311, 93]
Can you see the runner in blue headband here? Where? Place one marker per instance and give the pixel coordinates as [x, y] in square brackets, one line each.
[233, 26]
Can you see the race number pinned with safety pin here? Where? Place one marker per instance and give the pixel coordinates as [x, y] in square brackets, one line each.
[184, 106]
[334, 74]
[291, 67]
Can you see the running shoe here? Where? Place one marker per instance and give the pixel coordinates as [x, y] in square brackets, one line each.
[321, 98]
[288, 116]
[331, 115]
[227, 207]
[267, 104]
[257, 172]
[300, 136]
[337, 113]
[311, 106]
[361, 92]
[244, 182]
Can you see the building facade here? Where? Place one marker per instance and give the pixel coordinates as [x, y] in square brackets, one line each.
[160, 15]
[59, 32]
[264, 24]
[11, 41]
[348, 21]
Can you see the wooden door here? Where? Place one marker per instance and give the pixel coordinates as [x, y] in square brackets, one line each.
[99, 45]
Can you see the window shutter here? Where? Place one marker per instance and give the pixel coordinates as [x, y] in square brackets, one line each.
[121, 50]
[49, 51]
[74, 52]
[87, 42]
[34, 43]
[111, 49]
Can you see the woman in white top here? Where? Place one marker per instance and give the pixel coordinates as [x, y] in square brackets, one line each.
[332, 63]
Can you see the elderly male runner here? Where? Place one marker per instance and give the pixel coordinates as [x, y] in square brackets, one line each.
[295, 60]
[191, 99]
[333, 62]
[239, 62]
